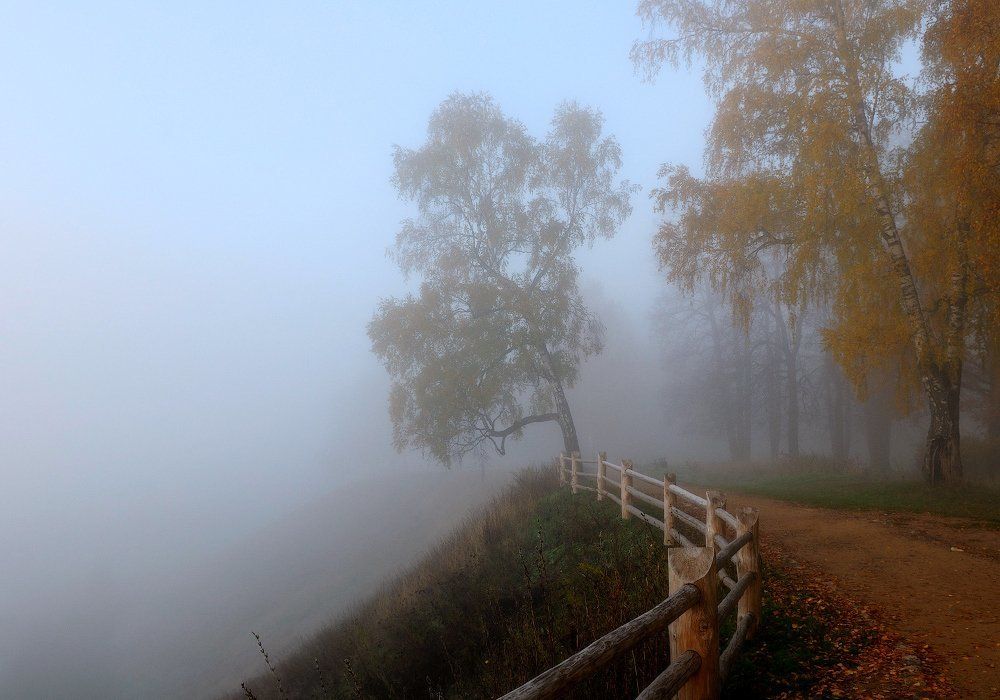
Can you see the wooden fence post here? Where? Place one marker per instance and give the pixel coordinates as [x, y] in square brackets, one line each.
[601, 473]
[626, 481]
[698, 628]
[562, 474]
[713, 523]
[669, 499]
[748, 560]
[574, 461]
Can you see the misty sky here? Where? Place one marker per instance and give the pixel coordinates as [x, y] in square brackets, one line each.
[196, 206]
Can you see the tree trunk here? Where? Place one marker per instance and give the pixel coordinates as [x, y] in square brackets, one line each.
[773, 396]
[745, 412]
[942, 453]
[571, 443]
[724, 408]
[985, 385]
[790, 350]
[878, 428]
[942, 457]
[566, 425]
[992, 410]
[848, 421]
[793, 406]
[835, 408]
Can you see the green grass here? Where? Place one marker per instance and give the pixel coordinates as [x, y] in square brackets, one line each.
[858, 491]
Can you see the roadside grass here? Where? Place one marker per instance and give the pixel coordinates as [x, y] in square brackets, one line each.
[852, 490]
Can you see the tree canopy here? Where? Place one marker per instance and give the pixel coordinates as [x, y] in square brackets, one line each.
[498, 328]
[821, 184]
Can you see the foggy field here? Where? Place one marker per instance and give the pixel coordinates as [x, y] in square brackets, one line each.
[288, 291]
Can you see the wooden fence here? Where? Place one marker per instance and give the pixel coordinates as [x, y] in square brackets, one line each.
[693, 612]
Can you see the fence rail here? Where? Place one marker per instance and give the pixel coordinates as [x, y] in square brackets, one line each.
[692, 612]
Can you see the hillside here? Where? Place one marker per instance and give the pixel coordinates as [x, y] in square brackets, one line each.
[525, 582]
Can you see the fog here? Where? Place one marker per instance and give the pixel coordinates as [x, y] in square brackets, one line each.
[195, 210]
[196, 205]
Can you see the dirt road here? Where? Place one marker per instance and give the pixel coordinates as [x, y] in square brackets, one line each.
[908, 567]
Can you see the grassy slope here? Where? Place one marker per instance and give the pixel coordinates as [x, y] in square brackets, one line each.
[520, 586]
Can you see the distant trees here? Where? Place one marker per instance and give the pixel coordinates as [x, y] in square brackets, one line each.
[818, 193]
[769, 386]
[770, 379]
[498, 328]
[709, 363]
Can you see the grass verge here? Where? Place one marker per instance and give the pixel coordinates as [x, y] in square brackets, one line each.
[849, 490]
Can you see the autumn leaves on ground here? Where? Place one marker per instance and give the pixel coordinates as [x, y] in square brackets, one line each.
[857, 604]
[921, 589]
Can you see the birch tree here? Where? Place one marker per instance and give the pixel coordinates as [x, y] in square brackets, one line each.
[806, 156]
[498, 329]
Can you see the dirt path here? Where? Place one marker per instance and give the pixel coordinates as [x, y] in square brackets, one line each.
[905, 566]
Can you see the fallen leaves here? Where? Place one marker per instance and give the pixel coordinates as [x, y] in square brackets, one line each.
[819, 642]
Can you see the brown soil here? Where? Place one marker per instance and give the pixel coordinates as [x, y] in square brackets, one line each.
[908, 567]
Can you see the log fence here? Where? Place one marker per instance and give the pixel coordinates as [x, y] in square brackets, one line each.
[728, 561]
